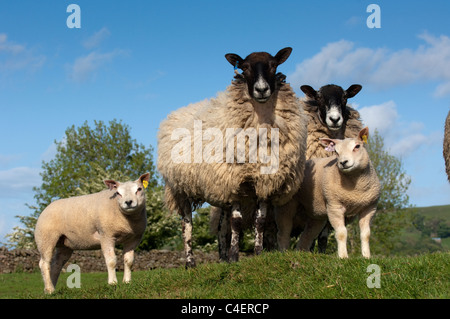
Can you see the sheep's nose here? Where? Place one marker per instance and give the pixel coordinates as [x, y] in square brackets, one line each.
[335, 120]
[344, 163]
[262, 89]
[128, 202]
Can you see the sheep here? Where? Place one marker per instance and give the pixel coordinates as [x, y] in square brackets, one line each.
[255, 106]
[329, 116]
[447, 146]
[336, 188]
[100, 220]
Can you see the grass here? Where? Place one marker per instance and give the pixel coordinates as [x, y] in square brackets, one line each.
[289, 275]
[435, 211]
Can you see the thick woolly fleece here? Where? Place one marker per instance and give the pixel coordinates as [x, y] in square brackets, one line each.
[220, 184]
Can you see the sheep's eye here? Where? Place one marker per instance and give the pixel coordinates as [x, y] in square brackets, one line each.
[357, 146]
[118, 194]
[139, 189]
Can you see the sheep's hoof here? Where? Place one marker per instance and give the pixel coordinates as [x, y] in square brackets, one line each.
[190, 263]
[258, 250]
[49, 291]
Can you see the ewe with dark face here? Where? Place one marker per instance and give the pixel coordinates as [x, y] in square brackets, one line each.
[331, 101]
[259, 70]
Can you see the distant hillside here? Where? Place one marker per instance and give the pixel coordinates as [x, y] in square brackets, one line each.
[427, 223]
[435, 211]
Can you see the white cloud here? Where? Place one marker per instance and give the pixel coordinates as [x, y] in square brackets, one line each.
[95, 40]
[18, 179]
[84, 67]
[381, 117]
[340, 61]
[6, 160]
[17, 56]
[7, 46]
[401, 139]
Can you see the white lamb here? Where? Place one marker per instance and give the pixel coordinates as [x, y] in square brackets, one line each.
[334, 188]
[100, 220]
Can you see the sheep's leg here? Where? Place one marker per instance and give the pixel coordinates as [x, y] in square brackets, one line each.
[44, 265]
[284, 217]
[270, 230]
[46, 245]
[223, 233]
[310, 233]
[364, 226]
[236, 226]
[187, 237]
[61, 256]
[337, 220]
[110, 260]
[322, 240]
[128, 259]
[259, 227]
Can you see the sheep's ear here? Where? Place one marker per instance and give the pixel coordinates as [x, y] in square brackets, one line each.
[352, 90]
[283, 55]
[234, 59]
[111, 184]
[309, 91]
[364, 134]
[144, 179]
[328, 143]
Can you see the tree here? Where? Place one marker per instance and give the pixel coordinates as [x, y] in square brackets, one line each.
[84, 158]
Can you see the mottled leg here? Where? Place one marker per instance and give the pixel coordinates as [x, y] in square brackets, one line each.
[259, 227]
[236, 226]
[187, 237]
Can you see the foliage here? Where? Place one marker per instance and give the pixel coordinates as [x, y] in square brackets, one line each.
[163, 229]
[84, 158]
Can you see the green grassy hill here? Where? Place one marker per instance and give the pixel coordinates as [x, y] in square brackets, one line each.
[288, 275]
[435, 211]
[428, 220]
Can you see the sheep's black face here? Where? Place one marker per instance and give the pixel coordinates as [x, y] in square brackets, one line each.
[259, 70]
[331, 101]
[333, 104]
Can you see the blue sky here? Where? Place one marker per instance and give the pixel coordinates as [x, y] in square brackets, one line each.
[139, 60]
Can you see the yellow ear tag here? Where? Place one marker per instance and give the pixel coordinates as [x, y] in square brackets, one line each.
[364, 137]
[145, 184]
